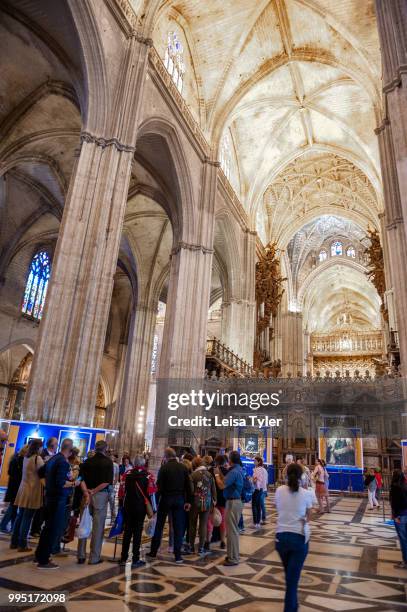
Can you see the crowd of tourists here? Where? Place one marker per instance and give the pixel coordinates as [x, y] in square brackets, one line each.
[51, 492]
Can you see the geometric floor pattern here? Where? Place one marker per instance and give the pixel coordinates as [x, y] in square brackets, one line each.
[350, 566]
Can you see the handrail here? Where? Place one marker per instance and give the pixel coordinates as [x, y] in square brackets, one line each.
[215, 348]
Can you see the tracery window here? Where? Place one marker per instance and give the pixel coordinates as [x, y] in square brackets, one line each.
[323, 255]
[225, 156]
[350, 252]
[174, 59]
[336, 248]
[37, 285]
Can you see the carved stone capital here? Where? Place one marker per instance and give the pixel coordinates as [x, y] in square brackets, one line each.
[397, 80]
[191, 247]
[100, 141]
[382, 127]
[212, 162]
[142, 39]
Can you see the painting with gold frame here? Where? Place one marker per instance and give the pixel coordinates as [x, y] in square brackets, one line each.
[341, 447]
[251, 442]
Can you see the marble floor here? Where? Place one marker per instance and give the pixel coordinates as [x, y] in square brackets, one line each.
[350, 566]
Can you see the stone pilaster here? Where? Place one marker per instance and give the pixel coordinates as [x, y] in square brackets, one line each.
[67, 361]
[394, 238]
[392, 24]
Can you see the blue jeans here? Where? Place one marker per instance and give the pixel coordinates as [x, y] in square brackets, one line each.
[292, 550]
[22, 527]
[52, 530]
[9, 517]
[401, 529]
[172, 505]
[263, 505]
[241, 522]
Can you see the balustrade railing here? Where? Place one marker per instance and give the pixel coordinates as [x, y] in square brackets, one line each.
[215, 348]
[354, 342]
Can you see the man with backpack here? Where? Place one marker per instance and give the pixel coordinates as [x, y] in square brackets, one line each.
[232, 485]
[204, 498]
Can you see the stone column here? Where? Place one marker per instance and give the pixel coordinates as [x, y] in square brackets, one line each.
[249, 285]
[133, 401]
[394, 237]
[392, 25]
[293, 343]
[239, 313]
[185, 327]
[66, 366]
[238, 327]
[184, 340]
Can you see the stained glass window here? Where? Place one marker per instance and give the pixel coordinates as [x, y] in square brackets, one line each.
[37, 285]
[174, 59]
[225, 156]
[350, 252]
[336, 248]
[323, 255]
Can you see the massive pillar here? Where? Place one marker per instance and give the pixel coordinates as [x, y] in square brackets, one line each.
[184, 339]
[293, 343]
[67, 361]
[133, 401]
[392, 24]
[186, 317]
[394, 239]
[239, 312]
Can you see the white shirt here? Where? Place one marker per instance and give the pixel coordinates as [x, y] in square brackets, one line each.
[260, 473]
[292, 509]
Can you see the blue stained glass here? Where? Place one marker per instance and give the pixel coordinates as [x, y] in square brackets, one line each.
[36, 286]
[336, 248]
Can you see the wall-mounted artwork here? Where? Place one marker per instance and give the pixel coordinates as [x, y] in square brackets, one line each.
[81, 439]
[341, 447]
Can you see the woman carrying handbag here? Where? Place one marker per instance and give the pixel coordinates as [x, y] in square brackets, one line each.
[136, 506]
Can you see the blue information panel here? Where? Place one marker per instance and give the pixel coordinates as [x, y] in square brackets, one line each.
[22, 432]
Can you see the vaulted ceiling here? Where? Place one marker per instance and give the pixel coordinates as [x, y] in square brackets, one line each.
[294, 88]
[284, 78]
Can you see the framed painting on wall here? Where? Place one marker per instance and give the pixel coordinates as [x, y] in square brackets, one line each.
[81, 439]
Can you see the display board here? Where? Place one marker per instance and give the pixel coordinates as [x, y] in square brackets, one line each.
[254, 442]
[342, 450]
[22, 432]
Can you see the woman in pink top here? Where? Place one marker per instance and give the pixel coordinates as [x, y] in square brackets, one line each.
[260, 479]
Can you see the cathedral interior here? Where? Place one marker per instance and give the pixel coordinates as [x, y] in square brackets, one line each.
[206, 190]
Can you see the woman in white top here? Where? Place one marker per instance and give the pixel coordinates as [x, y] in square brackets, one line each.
[292, 532]
[260, 480]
